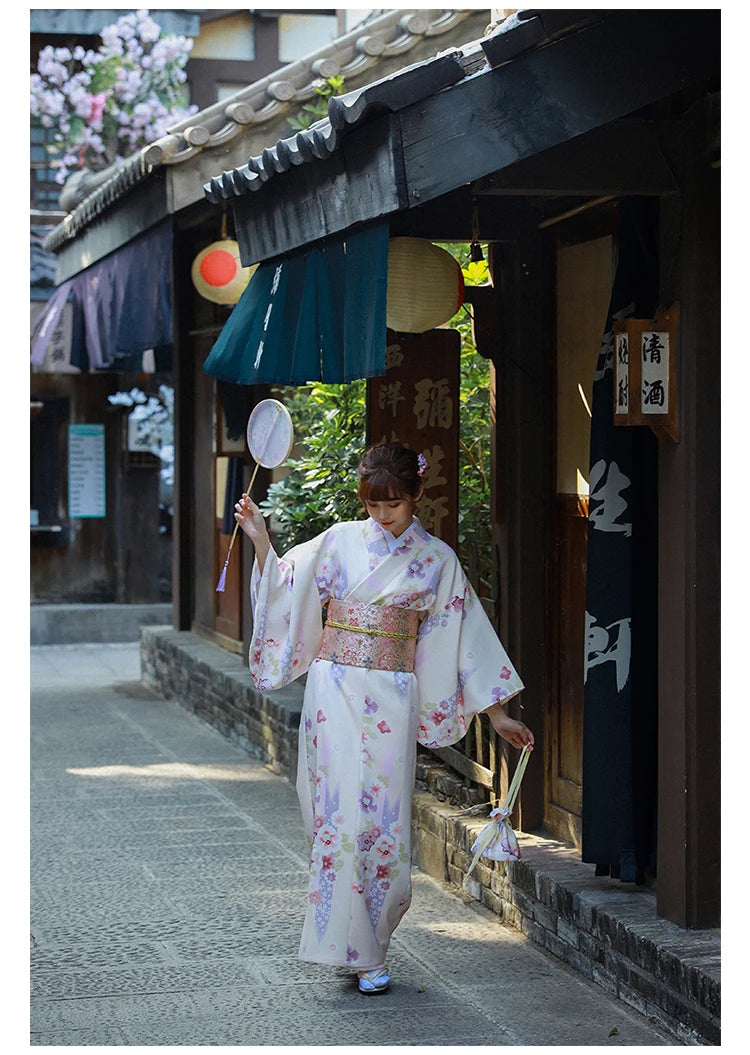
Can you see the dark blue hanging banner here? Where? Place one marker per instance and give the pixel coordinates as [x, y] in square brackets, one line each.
[620, 690]
[121, 307]
[317, 315]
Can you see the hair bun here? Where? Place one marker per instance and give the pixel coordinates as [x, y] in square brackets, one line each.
[389, 470]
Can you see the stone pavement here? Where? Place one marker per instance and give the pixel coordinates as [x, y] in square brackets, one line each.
[167, 896]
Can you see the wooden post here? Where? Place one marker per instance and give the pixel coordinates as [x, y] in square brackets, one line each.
[689, 821]
[521, 479]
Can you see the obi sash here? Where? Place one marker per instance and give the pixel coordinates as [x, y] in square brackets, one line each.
[375, 636]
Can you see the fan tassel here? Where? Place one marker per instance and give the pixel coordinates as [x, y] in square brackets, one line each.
[223, 577]
[220, 586]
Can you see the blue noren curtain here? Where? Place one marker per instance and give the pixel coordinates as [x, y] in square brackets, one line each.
[316, 315]
[122, 307]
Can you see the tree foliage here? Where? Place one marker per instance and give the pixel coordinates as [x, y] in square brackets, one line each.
[474, 450]
[320, 489]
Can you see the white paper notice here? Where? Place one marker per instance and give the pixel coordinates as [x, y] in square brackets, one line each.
[86, 478]
[655, 372]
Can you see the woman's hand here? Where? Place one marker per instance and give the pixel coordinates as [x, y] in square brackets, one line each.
[250, 519]
[516, 733]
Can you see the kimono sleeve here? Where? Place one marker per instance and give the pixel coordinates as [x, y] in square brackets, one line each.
[462, 667]
[287, 601]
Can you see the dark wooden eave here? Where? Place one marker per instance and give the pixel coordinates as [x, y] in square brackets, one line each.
[594, 95]
[106, 209]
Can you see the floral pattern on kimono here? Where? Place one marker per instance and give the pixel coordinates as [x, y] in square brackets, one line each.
[360, 726]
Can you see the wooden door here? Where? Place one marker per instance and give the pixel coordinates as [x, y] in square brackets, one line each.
[228, 617]
[583, 286]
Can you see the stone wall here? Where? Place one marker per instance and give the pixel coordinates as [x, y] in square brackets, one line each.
[607, 931]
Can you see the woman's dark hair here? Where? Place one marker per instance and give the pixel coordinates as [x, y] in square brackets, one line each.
[388, 470]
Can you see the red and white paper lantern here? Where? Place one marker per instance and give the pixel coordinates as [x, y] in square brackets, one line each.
[218, 274]
[425, 285]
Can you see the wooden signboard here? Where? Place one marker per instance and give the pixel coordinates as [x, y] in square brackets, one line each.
[645, 390]
[416, 402]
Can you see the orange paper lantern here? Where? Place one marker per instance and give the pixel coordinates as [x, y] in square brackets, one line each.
[425, 285]
[218, 274]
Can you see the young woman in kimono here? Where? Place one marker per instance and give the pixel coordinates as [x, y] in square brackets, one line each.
[407, 655]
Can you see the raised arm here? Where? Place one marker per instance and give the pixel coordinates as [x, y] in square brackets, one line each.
[249, 517]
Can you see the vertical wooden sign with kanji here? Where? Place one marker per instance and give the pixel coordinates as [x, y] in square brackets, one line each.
[645, 389]
[416, 402]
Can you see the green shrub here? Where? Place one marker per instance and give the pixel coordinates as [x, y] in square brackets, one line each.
[316, 110]
[321, 488]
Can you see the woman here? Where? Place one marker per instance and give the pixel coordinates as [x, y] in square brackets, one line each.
[407, 655]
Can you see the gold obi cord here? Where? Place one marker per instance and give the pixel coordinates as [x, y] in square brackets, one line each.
[370, 635]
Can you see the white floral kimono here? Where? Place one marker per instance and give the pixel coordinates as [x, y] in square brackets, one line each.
[360, 726]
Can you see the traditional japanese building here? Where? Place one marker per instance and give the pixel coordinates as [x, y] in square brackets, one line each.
[584, 148]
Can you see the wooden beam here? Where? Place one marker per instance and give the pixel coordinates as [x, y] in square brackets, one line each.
[465, 766]
[361, 182]
[625, 157]
[690, 478]
[183, 540]
[549, 96]
[450, 218]
[146, 205]
[520, 273]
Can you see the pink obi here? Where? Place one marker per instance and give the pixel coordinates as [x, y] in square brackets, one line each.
[370, 635]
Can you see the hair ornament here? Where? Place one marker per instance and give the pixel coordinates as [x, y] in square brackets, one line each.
[421, 464]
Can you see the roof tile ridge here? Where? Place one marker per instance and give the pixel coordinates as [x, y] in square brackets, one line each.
[348, 56]
[353, 52]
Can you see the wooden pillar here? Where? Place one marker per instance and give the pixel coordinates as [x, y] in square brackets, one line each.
[689, 824]
[133, 487]
[521, 458]
[183, 491]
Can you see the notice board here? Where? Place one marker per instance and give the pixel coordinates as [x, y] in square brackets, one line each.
[87, 490]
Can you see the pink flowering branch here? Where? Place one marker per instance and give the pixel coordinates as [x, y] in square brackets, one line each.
[105, 104]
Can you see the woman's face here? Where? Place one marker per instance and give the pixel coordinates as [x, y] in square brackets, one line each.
[394, 514]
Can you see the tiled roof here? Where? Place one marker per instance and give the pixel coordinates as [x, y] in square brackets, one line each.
[41, 264]
[504, 40]
[322, 139]
[352, 56]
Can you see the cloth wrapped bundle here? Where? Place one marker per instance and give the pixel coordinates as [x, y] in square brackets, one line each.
[497, 840]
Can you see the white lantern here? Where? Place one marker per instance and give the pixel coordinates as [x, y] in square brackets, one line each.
[218, 274]
[425, 285]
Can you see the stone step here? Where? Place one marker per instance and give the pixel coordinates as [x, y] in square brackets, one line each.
[76, 624]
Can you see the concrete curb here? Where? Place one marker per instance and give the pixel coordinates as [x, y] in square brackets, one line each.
[75, 624]
[607, 931]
